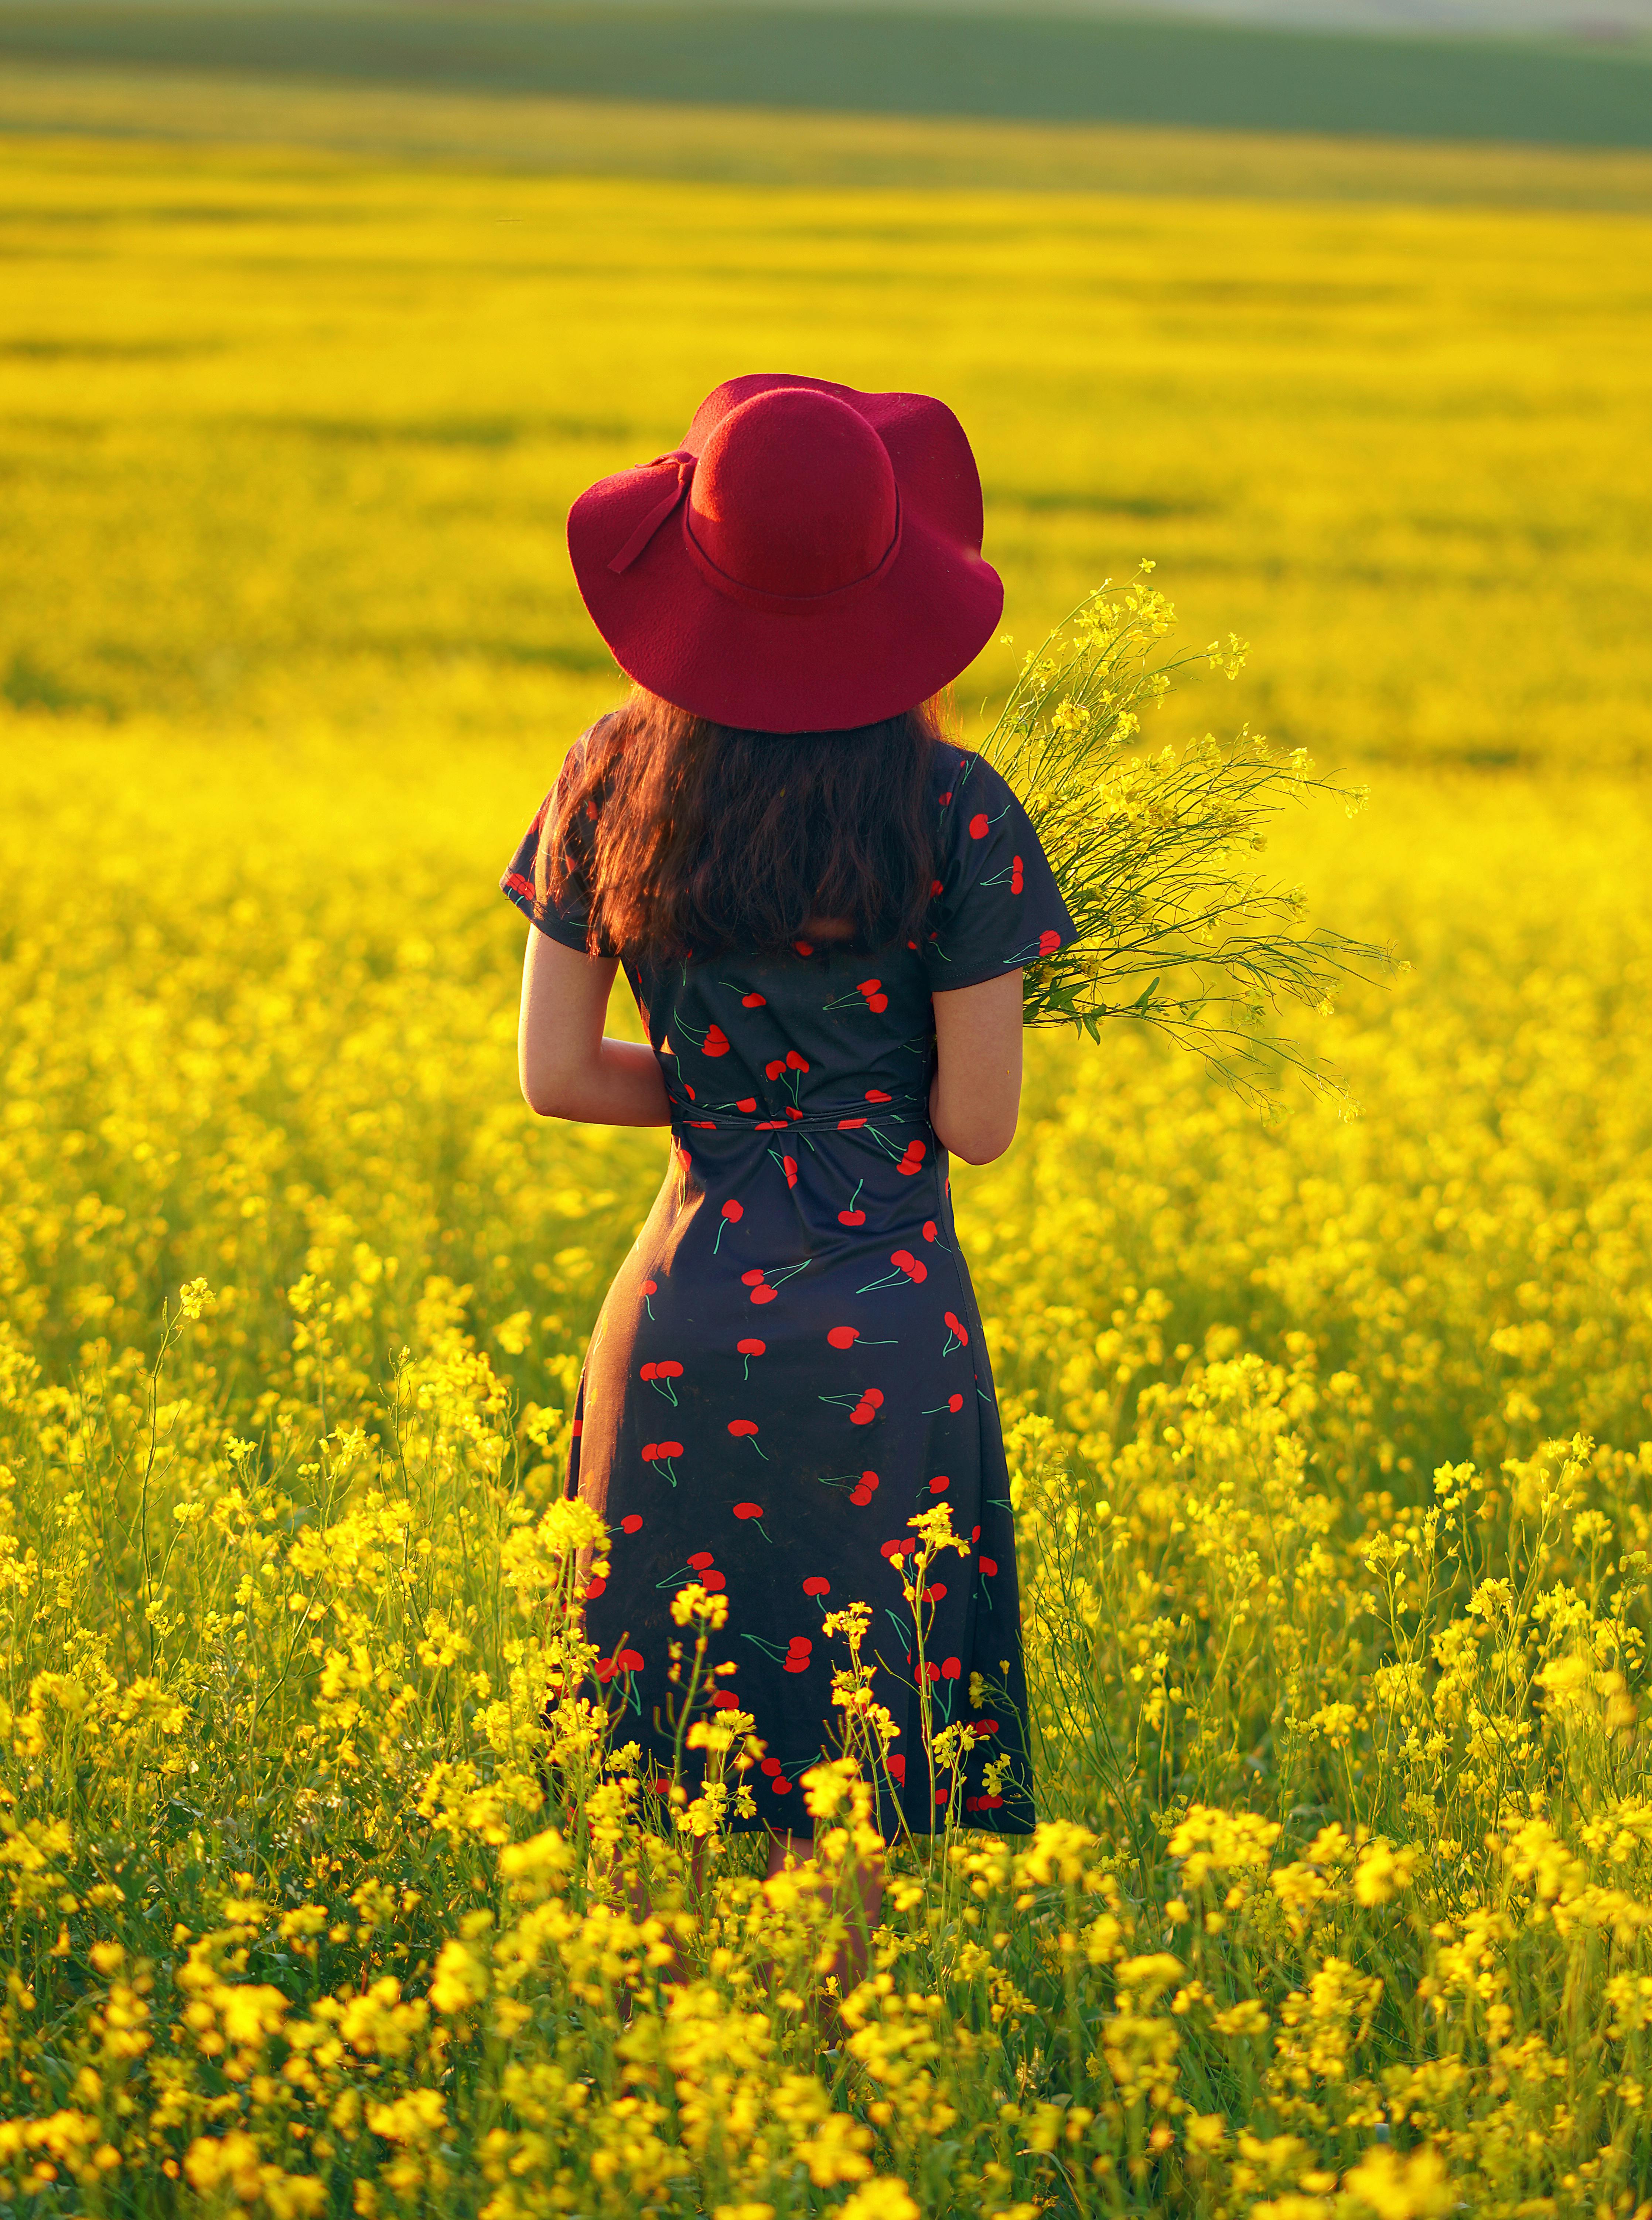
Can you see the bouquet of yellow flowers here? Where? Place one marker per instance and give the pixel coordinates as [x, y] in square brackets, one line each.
[1155, 852]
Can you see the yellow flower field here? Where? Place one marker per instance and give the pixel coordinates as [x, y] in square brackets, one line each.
[1331, 1436]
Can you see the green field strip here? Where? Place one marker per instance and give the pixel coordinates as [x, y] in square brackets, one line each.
[1054, 69]
[533, 134]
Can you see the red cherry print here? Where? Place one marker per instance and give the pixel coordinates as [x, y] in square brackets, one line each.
[629, 1660]
[869, 987]
[955, 1402]
[782, 1787]
[689, 1092]
[593, 1587]
[1048, 943]
[771, 1766]
[713, 1583]
[668, 1368]
[804, 1642]
[940, 1485]
[874, 1396]
[849, 1125]
[790, 1113]
[797, 1662]
[701, 1561]
[605, 1669]
[734, 1212]
[751, 1348]
[911, 1157]
[754, 1001]
[936, 886]
[648, 1371]
[934, 1592]
[878, 1002]
[930, 1229]
[725, 1700]
[851, 1218]
[764, 1295]
[632, 1523]
[650, 1287]
[978, 827]
[788, 1165]
[748, 1511]
[898, 1770]
[741, 1427]
[747, 1102]
[670, 1449]
[877, 1094]
[701, 1124]
[895, 1549]
[931, 1671]
[649, 1451]
[684, 1159]
[1015, 876]
[975, 1533]
[868, 1480]
[987, 1726]
[860, 1498]
[815, 1586]
[796, 1062]
[951, 1668]
[716, 1043]
[773, 1071]
[752, 1278]
[989, 1566]
[843, 1336]
[914, 1268]
[862, 1415]
[958, 1327]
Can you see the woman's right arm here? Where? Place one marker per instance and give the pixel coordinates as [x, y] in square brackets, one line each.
[976, 1094]
[568, 1067]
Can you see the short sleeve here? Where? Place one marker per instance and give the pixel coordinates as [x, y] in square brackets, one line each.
[565, 915]
[997, 905]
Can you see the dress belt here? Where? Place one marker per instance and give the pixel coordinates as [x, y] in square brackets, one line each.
[844, 1117]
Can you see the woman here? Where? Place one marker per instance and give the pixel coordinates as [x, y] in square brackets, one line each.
[823, 909]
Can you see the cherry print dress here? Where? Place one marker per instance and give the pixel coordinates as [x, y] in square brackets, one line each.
[789, 1362]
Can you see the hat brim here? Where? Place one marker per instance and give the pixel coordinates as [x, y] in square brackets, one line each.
[872, 655]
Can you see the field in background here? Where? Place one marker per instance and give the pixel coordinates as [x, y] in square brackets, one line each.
[288, 438]
[1329, 1437]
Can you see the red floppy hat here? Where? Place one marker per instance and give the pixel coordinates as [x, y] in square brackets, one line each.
[809, 559]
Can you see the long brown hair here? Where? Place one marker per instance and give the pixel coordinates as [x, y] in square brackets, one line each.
[690, 836]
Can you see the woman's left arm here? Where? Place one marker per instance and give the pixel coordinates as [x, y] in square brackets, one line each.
[568, 1068]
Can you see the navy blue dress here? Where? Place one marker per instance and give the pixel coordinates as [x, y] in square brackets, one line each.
[789, 1363]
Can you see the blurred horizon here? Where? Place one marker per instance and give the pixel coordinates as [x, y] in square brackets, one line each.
[1561, 72]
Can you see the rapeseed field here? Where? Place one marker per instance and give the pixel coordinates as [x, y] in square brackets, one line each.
[1330, 1435]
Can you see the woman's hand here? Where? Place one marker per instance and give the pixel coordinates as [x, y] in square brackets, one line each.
[976, 1096]
[567, 1066]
